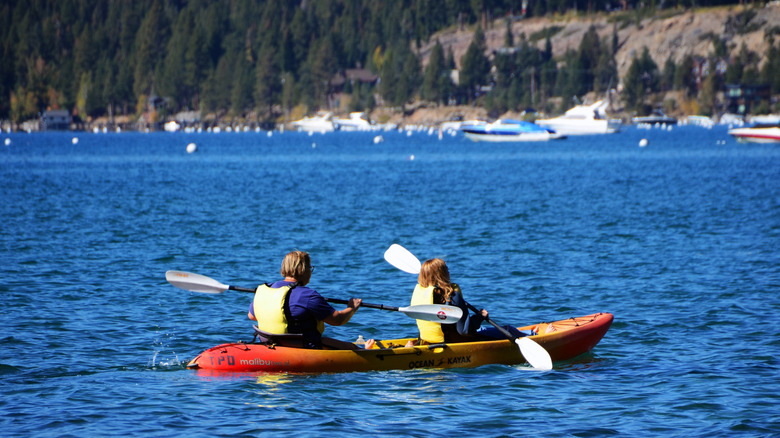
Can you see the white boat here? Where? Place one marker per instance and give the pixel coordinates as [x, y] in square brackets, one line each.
[582, 120]
[320, 123]
[355, 122]
[171, 126]
[657, 118]
[703, 121]
[766, 119]
[757, 134]
[455, 125]
[505, 130]
[732, 119]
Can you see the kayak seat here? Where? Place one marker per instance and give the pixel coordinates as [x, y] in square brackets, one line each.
[295, 340]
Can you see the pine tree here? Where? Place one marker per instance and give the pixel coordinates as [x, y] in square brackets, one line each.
[668, 74]
[410, 77]
[474, 65]
[268, 87]
[684, 78]
[641, 79]
[708, 93]
[432, 85]
[150, 41]
[771, 67]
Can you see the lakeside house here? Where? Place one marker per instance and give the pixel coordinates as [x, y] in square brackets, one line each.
[55, 120]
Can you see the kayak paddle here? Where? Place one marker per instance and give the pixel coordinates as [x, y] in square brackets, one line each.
[207, 285]
[534, 353]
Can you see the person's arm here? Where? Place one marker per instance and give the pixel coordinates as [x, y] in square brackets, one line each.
[251, 314]
[341, 317]
[469, 323]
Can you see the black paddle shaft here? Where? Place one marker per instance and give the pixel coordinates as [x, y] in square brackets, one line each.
[330, 300]
[504, 331]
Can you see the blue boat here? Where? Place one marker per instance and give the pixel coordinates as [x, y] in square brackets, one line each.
[504, 130]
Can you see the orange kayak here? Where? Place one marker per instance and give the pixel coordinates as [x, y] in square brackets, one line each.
[564, 339]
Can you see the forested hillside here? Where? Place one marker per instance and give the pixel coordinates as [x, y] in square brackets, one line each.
[262, 59]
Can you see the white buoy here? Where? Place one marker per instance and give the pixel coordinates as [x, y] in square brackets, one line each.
[192, 148]
[314, 145]
[8, 142]
[642, 142]
[378, 139]
[270, 133]
[411, 157]
[74, 140]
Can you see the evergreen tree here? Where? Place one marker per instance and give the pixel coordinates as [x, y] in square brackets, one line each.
[410, 77]
[242, 91]
[475, 67]
[708, 93]
[508, 38]
[641, 79]
[288, 93]
[568, 81]
[172, 82]
[388, 78]
[668, 74]
[771, 67]
[150, 46]
[584, 76]
[432, 84]
[606, 74]
[684, 78]
[268, 87]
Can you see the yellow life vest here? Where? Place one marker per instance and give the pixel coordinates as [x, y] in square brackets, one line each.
[271, 308]
[430, 332]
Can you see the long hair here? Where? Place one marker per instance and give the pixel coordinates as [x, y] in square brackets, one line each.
[297, 264]
[434, 272]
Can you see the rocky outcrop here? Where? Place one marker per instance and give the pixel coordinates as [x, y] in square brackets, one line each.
[675, 33]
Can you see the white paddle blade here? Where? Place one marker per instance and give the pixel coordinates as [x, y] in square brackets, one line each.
[434, 312]
[402, 259]
[195, 282]
[535, 354]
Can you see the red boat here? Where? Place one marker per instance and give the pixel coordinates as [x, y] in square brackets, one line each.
[757, 134]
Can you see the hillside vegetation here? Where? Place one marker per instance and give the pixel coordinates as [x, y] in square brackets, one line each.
[745, 37]
[144, 61]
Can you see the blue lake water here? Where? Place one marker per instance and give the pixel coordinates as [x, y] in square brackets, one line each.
[679, 239]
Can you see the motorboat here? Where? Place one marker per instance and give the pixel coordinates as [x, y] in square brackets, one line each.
[657, 118]
[456, 125]
[757, 134]
[702, 121]
[322, 123]
[583, 120]
[355, 122]
[171, 126]
[508, 130]
[732, 119]
[766, 119]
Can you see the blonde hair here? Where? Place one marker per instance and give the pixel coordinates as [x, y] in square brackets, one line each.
[434, 272]
[297, 265]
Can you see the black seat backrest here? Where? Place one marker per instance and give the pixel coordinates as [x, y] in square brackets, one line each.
[285, 340]
[295, 340]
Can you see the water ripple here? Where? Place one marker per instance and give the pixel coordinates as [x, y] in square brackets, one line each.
[679, 240]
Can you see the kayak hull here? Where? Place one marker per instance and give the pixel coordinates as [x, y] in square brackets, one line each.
[563, 339]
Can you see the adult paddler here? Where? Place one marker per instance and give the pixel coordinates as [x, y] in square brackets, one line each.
[288, 306]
